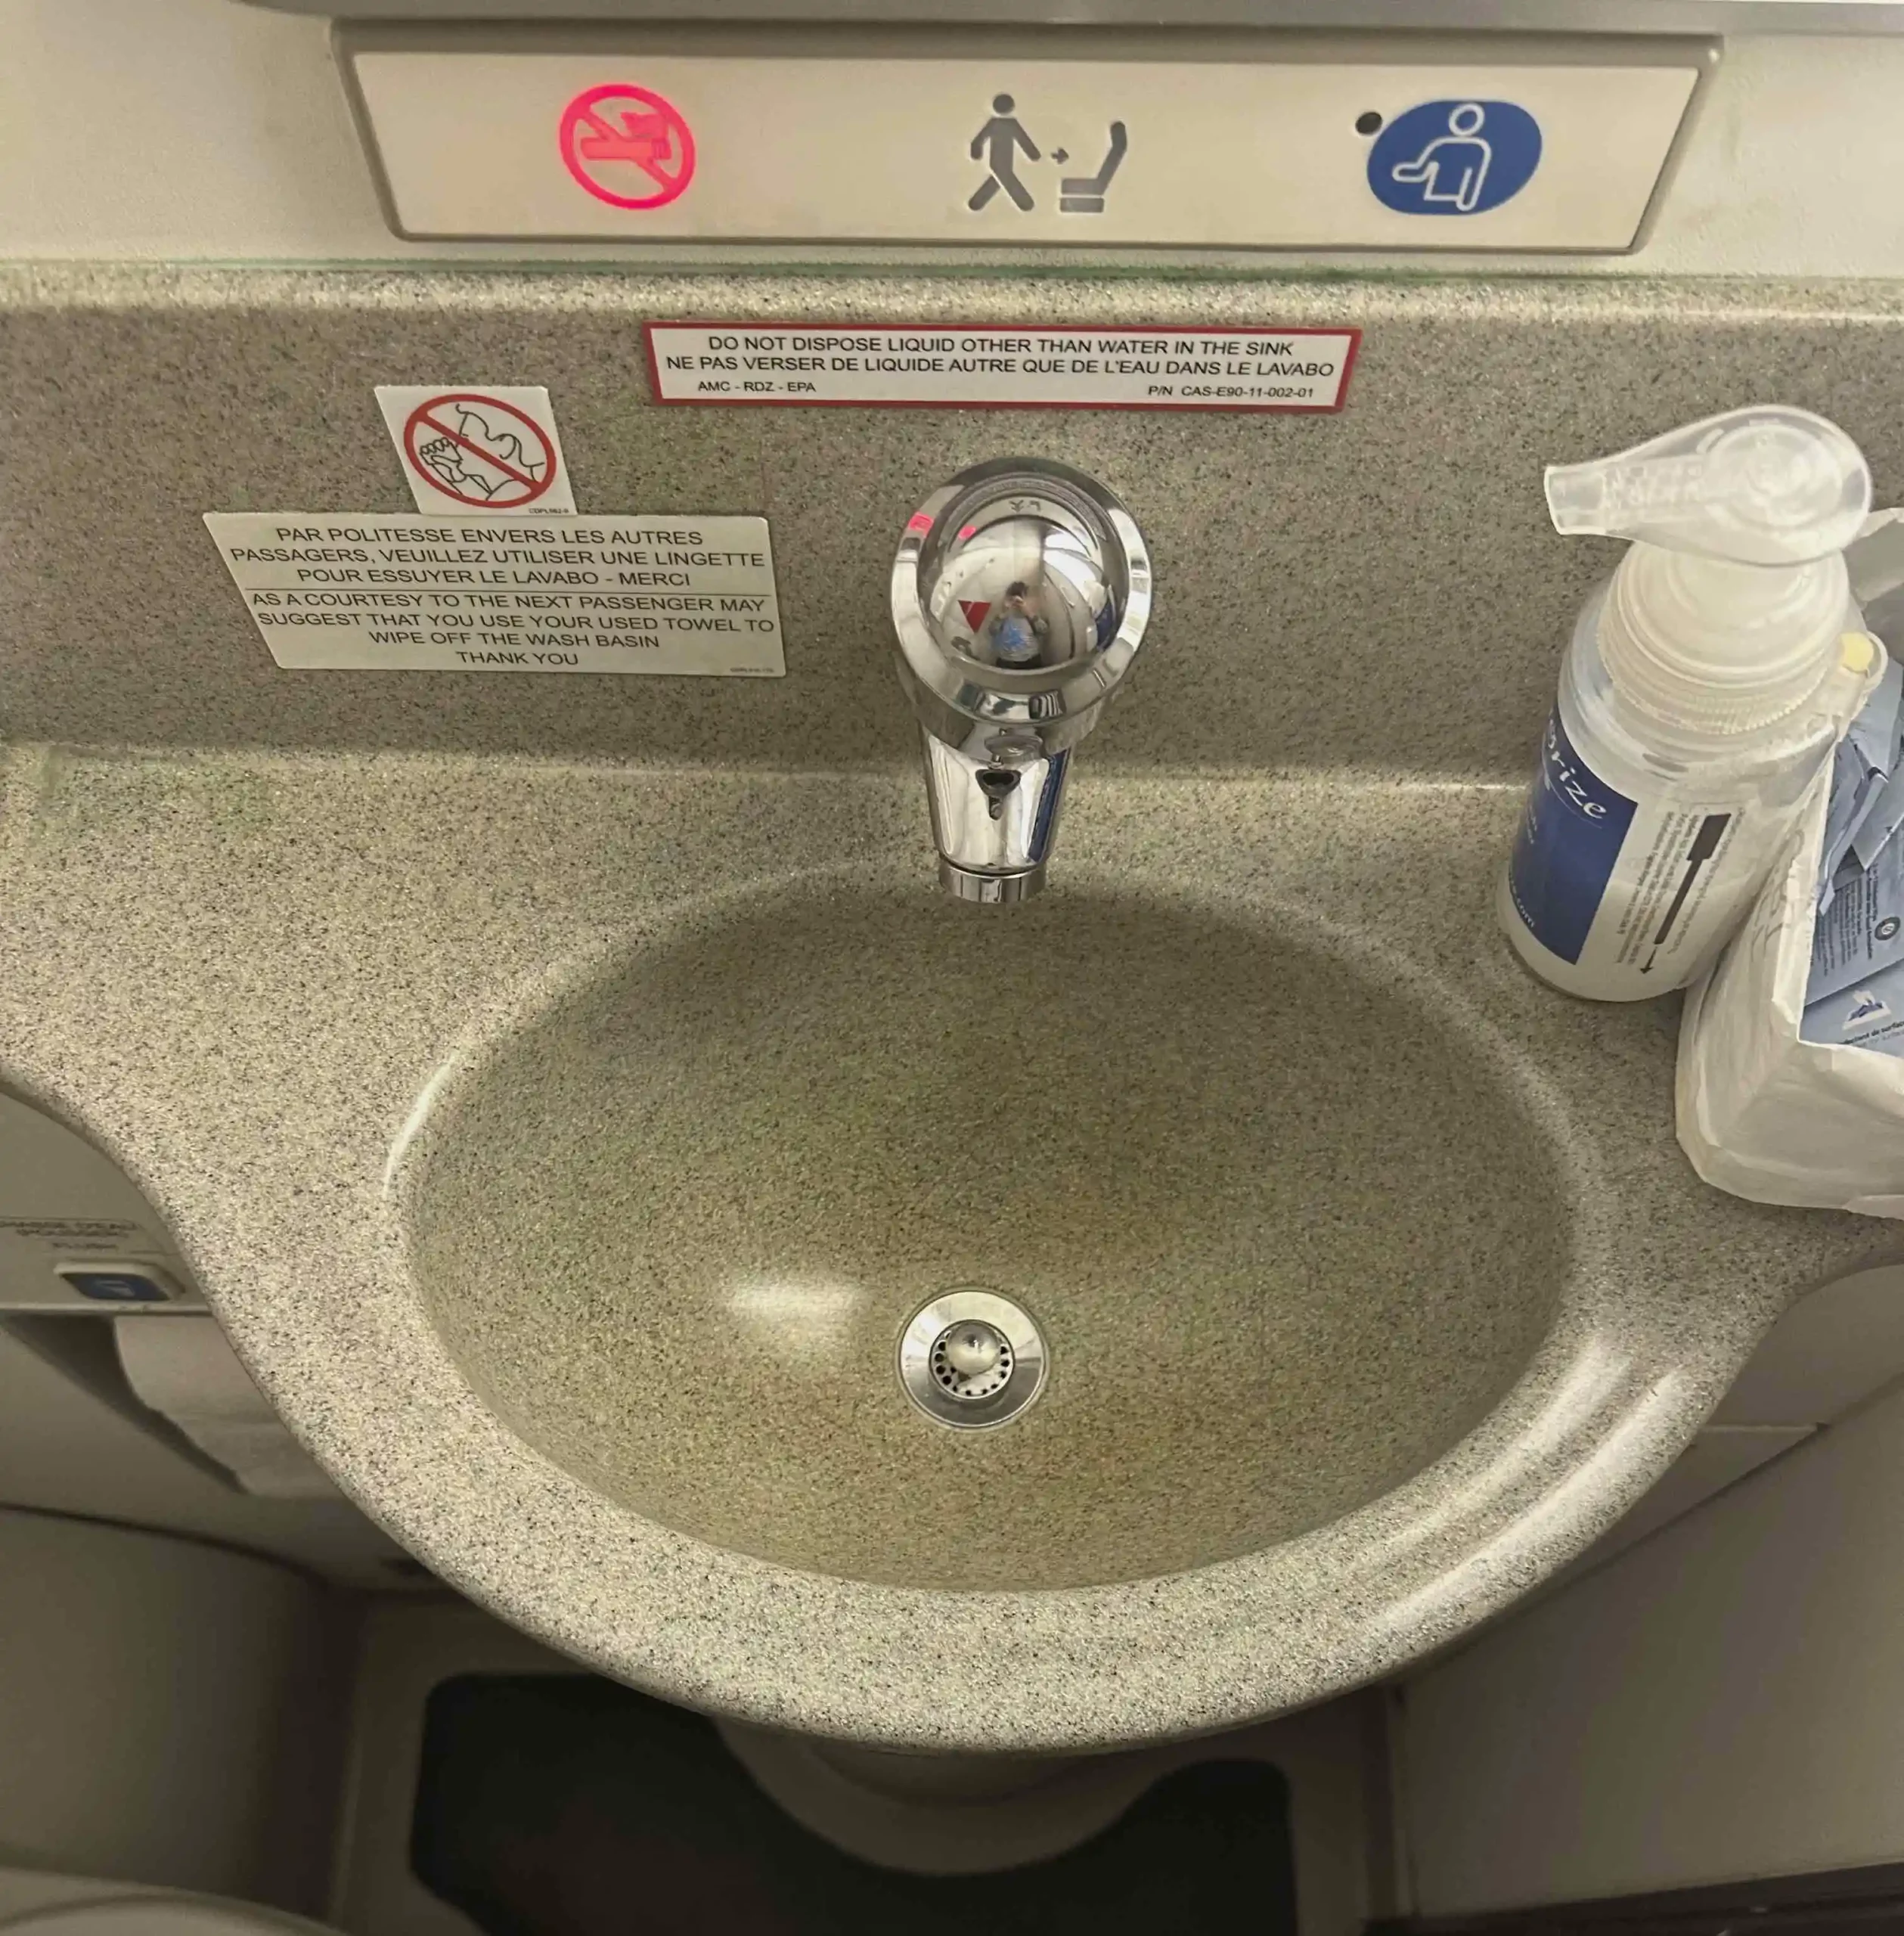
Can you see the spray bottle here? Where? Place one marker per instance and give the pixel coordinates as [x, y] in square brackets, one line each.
[1708, 681]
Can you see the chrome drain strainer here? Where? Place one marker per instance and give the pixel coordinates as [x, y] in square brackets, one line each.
[972, 1358]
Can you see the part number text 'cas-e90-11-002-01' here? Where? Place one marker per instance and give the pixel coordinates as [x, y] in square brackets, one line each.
[1003, 368]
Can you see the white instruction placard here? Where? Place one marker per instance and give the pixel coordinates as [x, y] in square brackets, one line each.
[367, 590]
[490, 447]
[1002, 367]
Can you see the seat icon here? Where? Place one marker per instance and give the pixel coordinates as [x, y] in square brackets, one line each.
[1083, 194]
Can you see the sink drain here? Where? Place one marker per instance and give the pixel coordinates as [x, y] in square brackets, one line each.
[972, 1358]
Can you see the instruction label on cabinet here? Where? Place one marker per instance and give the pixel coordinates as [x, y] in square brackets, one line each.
[1100, 368]
[367, 590]
[89, 1235]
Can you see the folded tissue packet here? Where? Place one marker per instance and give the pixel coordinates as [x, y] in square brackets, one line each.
[1854, 995]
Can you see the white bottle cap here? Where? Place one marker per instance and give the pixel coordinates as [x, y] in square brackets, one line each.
[1726, 614]
[1719, 648]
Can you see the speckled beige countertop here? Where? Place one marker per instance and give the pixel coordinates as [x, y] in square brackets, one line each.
[296, 962]
[249, 976]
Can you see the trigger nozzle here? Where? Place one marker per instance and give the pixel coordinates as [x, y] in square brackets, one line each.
[1764, 485]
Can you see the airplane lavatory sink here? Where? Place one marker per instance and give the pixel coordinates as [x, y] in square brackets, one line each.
[1282, 1233]
[1166, 1300]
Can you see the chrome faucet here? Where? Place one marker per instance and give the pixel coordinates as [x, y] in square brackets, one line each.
[1020, 596]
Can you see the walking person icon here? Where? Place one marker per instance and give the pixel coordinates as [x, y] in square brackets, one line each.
[998, 144]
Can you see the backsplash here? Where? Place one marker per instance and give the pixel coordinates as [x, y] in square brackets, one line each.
[1375, 587]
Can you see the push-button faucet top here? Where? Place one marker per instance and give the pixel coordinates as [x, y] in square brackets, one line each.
[1020, 595]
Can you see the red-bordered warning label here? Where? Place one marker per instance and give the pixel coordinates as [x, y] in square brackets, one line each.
[489, 449]
[626, 146]
[994, 366]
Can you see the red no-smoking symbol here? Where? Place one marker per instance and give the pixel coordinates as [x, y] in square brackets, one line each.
[627, 147]
[479, 451]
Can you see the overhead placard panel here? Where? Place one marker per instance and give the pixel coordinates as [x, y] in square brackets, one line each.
[620, 142]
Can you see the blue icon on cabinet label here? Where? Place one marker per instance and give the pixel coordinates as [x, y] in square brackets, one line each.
[116, 1286]
[1454, 157]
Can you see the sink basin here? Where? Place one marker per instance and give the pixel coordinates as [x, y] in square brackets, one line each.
[1287, 1233]
[565, 1154]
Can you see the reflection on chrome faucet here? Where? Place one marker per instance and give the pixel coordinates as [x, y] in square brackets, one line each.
[1016, 632]
[1020, 595]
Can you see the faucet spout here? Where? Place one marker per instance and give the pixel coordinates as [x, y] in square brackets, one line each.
[993, 817]
[1020, 594]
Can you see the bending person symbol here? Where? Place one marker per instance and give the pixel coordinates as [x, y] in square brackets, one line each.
[1454, 157]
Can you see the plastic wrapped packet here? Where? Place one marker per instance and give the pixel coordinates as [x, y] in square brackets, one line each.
[1876, 736]
[1791, 1078]
[1854, 993]
[1883, 814]
[1763, 1112]
[1864, 777]
[1870, 1016]
[1857, 942]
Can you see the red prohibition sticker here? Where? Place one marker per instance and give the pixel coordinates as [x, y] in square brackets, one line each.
[627, 147]
[478, 450]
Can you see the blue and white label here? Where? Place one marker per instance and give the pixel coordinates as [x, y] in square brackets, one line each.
[1454, 157]
[1569, 842]
[1861, 934]
[1639, 894]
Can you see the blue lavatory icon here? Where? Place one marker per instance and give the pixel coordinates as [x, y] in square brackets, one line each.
[1454, 157]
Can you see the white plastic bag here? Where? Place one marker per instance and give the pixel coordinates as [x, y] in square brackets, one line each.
[1762, 1113]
